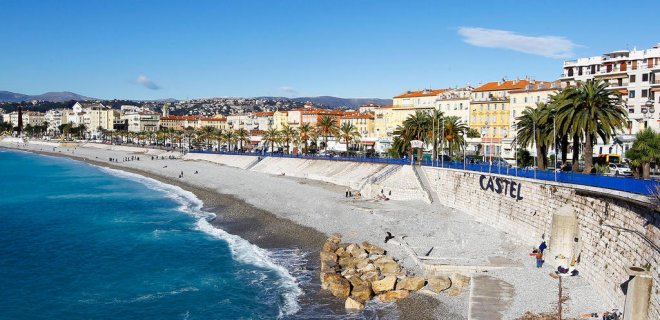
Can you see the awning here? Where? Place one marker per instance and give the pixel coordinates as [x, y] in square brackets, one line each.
[254, 141]
[368, 143]
[623, 91]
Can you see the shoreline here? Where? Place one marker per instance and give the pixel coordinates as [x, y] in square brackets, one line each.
[270, 232]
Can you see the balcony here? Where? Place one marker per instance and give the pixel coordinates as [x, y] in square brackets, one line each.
[655, 83]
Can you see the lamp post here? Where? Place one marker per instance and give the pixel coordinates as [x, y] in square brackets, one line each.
[647, 112]
[514, 127]
[484, 132]
[442, 145]
[537, 156]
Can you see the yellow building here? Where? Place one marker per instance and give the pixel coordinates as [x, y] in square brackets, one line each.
[364, 122]
[219, 123]
[490, 113]
[280, 119]
[384, 122]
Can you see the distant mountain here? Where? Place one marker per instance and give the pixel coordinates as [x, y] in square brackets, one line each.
[6, 96]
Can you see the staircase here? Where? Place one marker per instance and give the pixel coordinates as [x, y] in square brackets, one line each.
[426, 185]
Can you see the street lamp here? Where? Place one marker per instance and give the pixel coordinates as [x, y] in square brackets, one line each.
[647, 111]
[484, 133]
[514, 127]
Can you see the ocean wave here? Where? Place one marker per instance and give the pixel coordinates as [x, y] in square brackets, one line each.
[241, 249]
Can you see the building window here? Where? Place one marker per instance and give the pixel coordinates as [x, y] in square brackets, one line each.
[645, 93]
[525, 99]
[633, 78]
[514, 100]
[645, 77]
[631, 94]
[538, 98]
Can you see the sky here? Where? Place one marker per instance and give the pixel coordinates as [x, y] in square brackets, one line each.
[137, 49]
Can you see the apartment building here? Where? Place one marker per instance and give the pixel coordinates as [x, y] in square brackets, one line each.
[455, 102]
[95, 116]
[33, 118]
[633, 73]
[364, 122]
[490, 113]
[141, 121]
[280, 118]
[180, 122]
[384, 123]
[218, 123]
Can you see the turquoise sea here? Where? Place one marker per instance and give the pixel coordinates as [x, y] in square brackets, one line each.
[83, 242]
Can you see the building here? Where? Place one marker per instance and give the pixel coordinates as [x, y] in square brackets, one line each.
[264, 120]
[364, 122]
[384, 123]
[455, 102]
[490, 113]
[218, 123]
[32, 118]
[179, 122]
[533, 93]
[141, 121]
[633, 73]
[280, 118]
[95, 116]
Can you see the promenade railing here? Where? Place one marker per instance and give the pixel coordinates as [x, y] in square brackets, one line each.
[620, 183]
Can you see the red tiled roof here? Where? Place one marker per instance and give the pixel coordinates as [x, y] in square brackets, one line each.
[264, 114]
[189, 118]
[421, 93]
[214, 119]
[506, 85]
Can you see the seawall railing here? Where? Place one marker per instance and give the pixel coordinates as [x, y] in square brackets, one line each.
[626, 184]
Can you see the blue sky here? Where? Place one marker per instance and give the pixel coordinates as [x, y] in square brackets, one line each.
[187, 49]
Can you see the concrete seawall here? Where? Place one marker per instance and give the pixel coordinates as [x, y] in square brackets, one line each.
[615, 230]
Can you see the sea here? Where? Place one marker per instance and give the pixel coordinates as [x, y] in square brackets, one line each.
[79, 241]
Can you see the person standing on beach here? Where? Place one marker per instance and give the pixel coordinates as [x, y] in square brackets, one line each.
[539, 259]
[346, 192]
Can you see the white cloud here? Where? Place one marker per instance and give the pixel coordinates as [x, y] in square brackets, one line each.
[145, 82]
[289, 91]
[547, 46]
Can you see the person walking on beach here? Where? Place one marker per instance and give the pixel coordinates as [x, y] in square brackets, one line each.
[539, 259]
[542, 246]
[346, 192]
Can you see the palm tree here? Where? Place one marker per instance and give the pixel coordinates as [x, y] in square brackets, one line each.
[288, 133]
[436, 119]
[207, 133]
[563, 128]
[532, 131]
[327, 126]
[454, 130]
[242, 135]
[230, 138]
[593, 111]
[271, 135]
[305, 131]
[645, 150]
[348, 132]
[417, 127]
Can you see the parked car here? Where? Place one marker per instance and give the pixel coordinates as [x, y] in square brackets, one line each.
[619, 169]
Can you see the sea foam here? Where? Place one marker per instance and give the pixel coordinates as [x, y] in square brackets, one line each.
[241, 249]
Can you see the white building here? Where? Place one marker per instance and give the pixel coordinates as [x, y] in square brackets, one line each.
[95, 115]
[142, 121]
[56, 117]
[32, 118]
[455, 102]
[635, 74]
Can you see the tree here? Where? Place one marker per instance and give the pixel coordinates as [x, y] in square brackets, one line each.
[473, 133]
[348, 132]
[327, 126]
[208, 134]
[242, 135]
[532, 131]
[437, 118]
[230, 138]
[271, 135]
[287, 134]
[594, 111]
[454, 130]
[524, 159]
[644, 151]
[305, 132]
[417, 127]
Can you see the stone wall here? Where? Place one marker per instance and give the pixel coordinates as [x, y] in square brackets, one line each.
[242, 162]
[605, 252]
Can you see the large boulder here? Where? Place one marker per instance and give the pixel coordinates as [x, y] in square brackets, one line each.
[352, 304]
[410, 283]
[453, 292]
[329, 277]
[393, 295]
[328, 260]
[345, 261]
[329, 246]
[371, 248]
[370, 276]
[355, 251]
[356, 281]
[386, 284]
[362, 292]
[459, 280]
[389, 268]
[439, 283]
[334, 238]
[340, 287]
[366, 268]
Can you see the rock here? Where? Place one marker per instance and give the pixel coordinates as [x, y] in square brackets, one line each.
[355, 251]
[335, 238]
[328, 277]
[389, 268]
[352, 304]
[340, 287]
[340, 251]
[410, 283]
[361, 263]
[372, 249]
[370, 276]
[362, 292]
[368, 268]
[383, 260]
[348, 272]
[439, 284]
[393, 295]
[329, 246]
[384, 285]
[345, 261]
[459, 280]
[356, 281]
[453, 292]
[328, 260]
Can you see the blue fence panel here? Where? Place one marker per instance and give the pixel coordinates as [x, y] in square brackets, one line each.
[627, 184]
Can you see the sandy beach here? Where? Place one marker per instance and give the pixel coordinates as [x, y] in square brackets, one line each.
[276, 212]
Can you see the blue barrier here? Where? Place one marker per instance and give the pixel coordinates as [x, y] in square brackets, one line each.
[626, 184]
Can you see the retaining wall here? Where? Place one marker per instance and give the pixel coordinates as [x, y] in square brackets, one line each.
[242, 162]
[605, 252]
